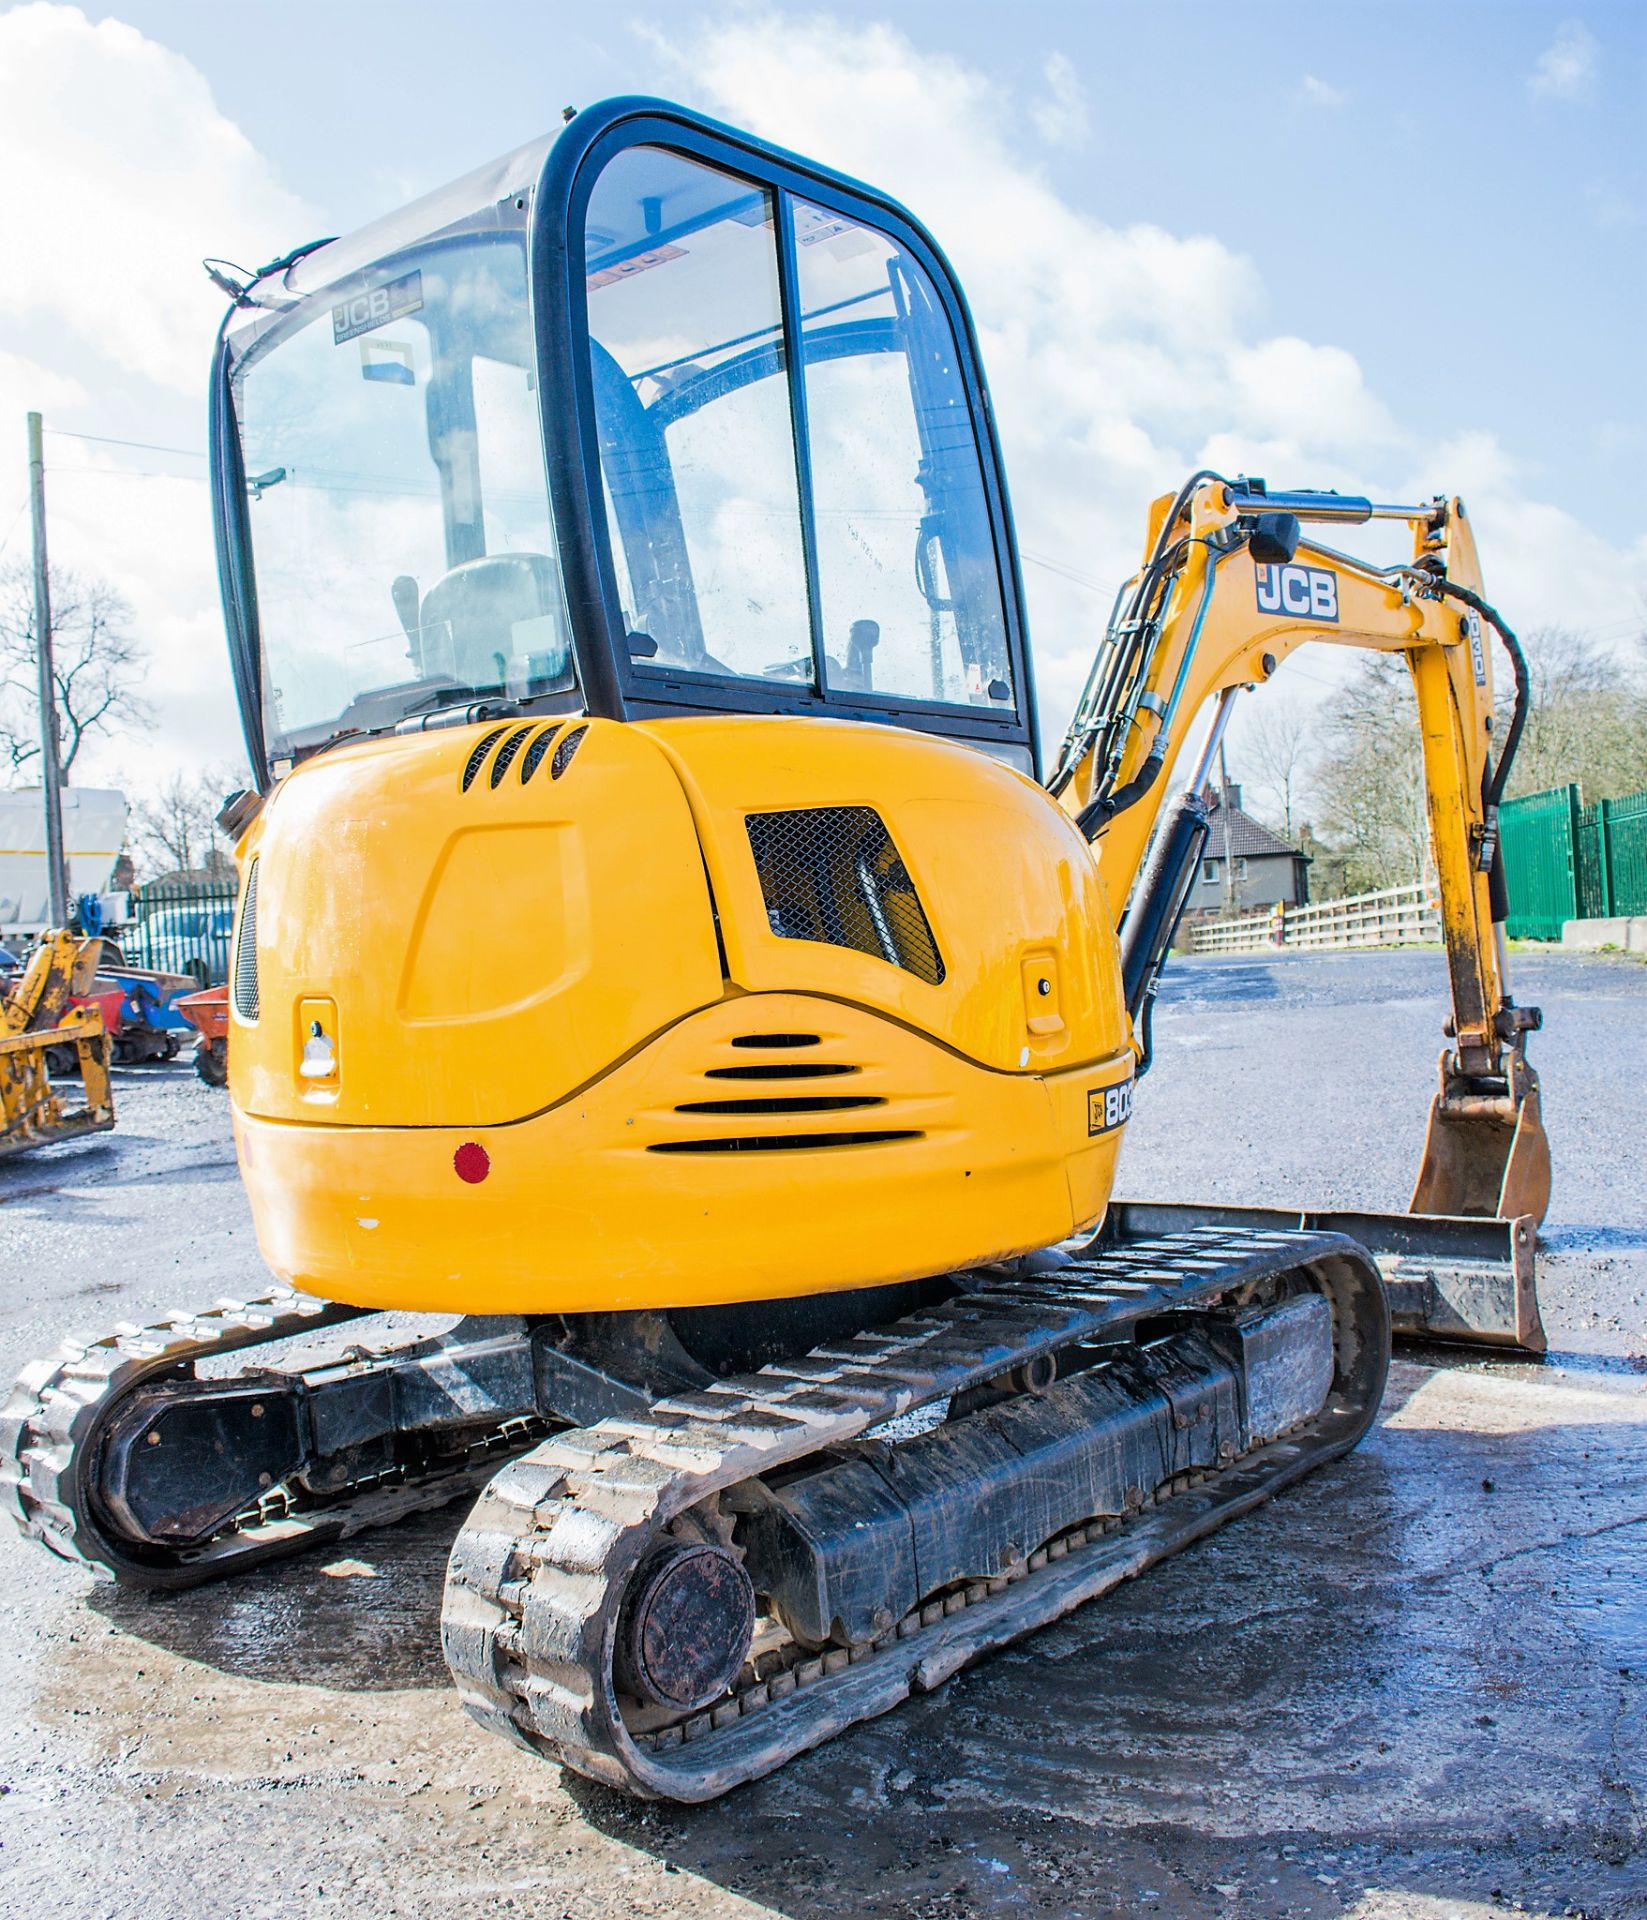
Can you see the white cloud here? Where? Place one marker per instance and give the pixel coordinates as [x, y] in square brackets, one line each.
[1121, 357]
[1566, 69]
[1321, 93]
[1060, 118]
[120, 173]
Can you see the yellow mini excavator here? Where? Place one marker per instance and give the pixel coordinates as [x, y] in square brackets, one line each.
[658, 945]
[43, 1011]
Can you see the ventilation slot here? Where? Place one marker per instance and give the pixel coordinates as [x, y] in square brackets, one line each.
[564, 752]
[535, 752]
[832, 874]
[782, 1142]
[786, 1103]
[777, 1070]
[507, 752]
[245, 951]
[482, 747]
[776, 1040]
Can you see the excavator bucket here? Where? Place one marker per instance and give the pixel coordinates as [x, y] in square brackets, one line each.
[1485, 1153]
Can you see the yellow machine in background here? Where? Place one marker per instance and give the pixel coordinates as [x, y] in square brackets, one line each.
[35, 1016]
[661, 943]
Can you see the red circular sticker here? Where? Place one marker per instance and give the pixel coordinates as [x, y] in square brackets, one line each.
[472, 1162]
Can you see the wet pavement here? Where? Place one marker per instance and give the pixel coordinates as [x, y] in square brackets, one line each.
[1413, 1687]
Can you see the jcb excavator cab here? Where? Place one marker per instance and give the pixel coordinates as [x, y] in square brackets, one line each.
[646, 421]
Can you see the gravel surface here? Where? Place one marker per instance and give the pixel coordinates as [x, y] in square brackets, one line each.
[1414, 1687]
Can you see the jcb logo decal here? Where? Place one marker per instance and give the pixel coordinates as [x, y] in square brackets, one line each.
[1109, 1107]
[1305, 593]
[377, 306]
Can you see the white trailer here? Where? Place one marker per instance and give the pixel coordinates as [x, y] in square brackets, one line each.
[94, 831]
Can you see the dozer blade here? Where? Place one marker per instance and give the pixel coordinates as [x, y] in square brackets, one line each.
[1485, 1154]
[1464, 1280]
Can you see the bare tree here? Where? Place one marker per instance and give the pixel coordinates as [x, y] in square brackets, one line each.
[97, 662]
[174, 827]
[1587, 723]
[1370, 778]
[1588, 720]
[1276, 749]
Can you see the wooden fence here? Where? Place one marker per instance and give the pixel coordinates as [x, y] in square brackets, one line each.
[1391, 917]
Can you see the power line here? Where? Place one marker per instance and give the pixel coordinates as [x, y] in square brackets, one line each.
[108, 440]
[129, 473]
[1063, 571]
[16, 521]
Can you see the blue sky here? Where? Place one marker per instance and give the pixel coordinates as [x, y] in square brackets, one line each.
[1396, 247]
[1477, 243]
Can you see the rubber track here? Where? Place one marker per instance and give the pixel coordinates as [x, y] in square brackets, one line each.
[53, 1419]
[538, 1571]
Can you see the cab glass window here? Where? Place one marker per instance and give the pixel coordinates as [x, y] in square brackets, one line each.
[397, 506]
[693, 415]
[907, 573]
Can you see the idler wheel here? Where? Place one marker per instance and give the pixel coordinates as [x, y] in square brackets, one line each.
[686, 1625]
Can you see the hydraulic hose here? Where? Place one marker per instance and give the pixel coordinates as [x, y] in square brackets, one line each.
[1492, 786]
[1494, 778]
[1097, 813]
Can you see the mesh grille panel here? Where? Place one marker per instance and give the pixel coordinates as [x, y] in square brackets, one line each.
[563, 753]
[245, 952]
[535, 753]
[832, 874]
[507, 752]
[483, 746]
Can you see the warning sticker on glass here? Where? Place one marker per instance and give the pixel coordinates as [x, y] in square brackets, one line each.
[376, 307]
[636, 263]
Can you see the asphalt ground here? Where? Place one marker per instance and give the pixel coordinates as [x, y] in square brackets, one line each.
[1416, 1685]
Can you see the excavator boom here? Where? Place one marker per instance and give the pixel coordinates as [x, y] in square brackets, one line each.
[1230, 587]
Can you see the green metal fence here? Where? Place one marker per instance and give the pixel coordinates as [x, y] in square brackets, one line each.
[1617, 829]
[1564, 860]
[183, 927]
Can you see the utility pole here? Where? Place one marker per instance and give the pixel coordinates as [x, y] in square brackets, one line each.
[51, 771]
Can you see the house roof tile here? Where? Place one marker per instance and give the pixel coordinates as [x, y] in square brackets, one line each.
[1235, 833]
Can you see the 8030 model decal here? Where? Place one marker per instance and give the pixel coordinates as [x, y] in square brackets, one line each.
[1109, 1107]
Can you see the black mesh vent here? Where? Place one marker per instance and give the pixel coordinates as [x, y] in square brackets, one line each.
[245, 951]
[483, 746]
[564, 752]
[833, 874]
[534, 754]
[507, 752]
